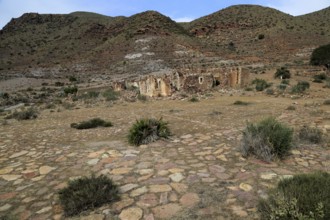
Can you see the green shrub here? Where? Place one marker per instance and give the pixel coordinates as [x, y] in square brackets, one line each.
[261, 84]
[92, 123]
[321, 55]
[300, 87]
[267, 140]
[248, 89]
[285, 81]
[70, 90]
[283, 73]
[193, 99]
[310, 134]
[241, 103]
[326, 102]
[30, 113]
[305, 197]
[87, 193]
[111, 95]
[145, 131]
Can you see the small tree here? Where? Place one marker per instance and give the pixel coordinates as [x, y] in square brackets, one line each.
[321, 56]
[283, 73]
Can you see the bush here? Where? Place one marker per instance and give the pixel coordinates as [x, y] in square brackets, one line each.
[320, 77]
[110, 95]
[282, 87]
[261, 36]
[87, 193]
[73, 79]
[70, 90]
[260, 84]
[270, 91]
[326, 102]
[312, 135]
[285, 81]
[305, 196]
[142, 98]
[58, 84]
[27, 114]
[283, 73]
[93, 123]
[241, 103]
[321, 55]
[91, 95]
[291, 108]
[267, 139]
[300, 87]
[145, 131]
[193, 99]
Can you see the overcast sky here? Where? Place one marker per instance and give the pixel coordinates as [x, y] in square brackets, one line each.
[179, 10]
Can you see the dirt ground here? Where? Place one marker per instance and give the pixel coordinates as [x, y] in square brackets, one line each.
[196, 174]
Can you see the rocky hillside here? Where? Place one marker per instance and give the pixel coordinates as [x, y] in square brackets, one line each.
[87, 43]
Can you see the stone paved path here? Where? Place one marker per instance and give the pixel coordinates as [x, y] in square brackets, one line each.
[197, 175]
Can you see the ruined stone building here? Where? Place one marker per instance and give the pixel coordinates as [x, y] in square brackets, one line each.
[182, 80]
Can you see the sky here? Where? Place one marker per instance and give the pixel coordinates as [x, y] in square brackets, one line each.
[178, 10]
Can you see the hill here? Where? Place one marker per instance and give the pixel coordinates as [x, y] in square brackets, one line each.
[55, 45]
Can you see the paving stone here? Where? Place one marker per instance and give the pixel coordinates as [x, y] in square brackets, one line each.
[133, 213]
[159, 188]
[189, 199]
[179, 187]
[10, 177]
[93, 161]
[237, 210]
[93, 217]
[5, 207]
[176, 177]
[268, 176]
[245, 187]
[166, 211]
[139, 191]
[21, 153]
[45, 170]
[43, 210]
[148, 200]
[120, 171]
[6, 170]
[127, 187]
[118, 206]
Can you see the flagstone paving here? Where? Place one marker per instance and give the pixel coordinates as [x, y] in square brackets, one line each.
[196, 175]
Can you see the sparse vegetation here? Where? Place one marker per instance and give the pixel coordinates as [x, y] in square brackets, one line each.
[304, 196]
[92, 123]
[110, 95]
[241, 103]
[291, 108]
[26, 114]
[147, 130]
[320, 77]
[311, 134]
[267, 140]
[87, 193]
[283, 73]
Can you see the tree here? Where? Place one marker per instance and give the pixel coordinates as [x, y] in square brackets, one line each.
[321, 56]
